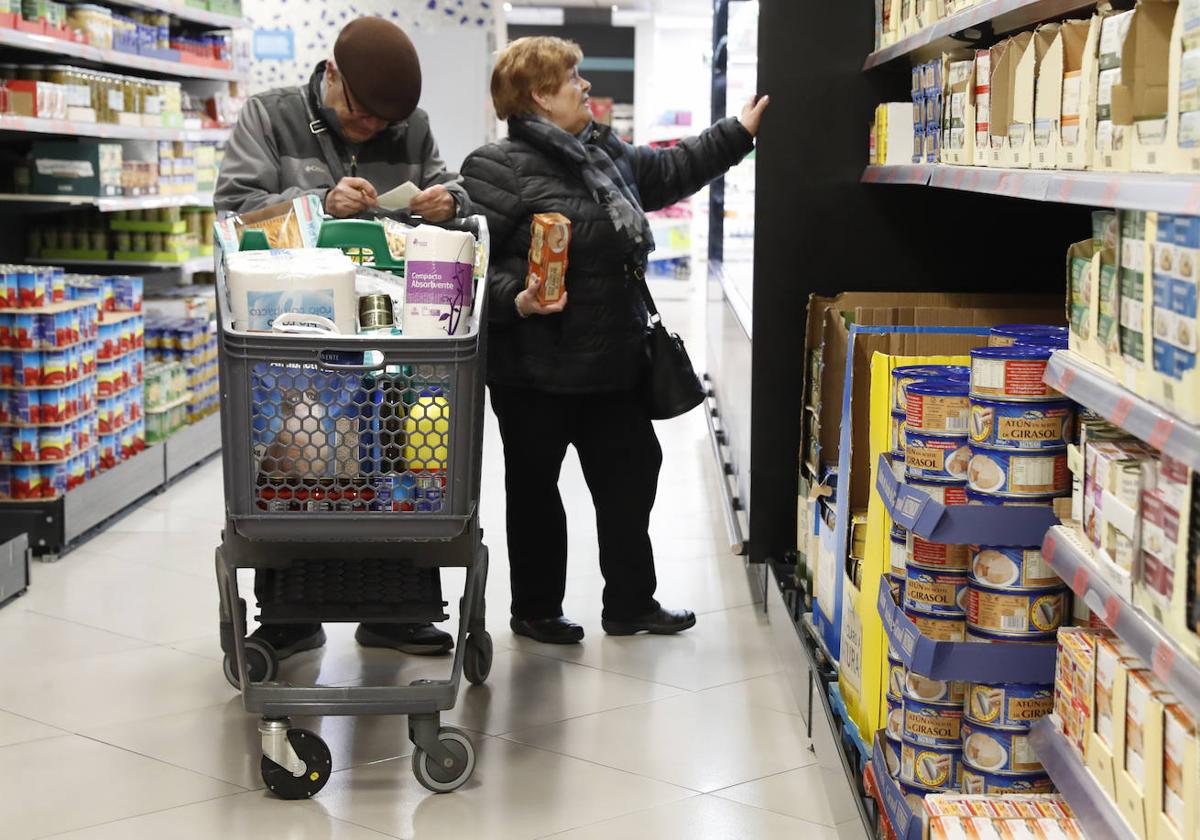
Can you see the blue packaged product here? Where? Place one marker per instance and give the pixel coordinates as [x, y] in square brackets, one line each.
[54, 480]
[1011, 567]
[25, 444]
[1005, 335]
[32, 287]
[1016, 614]
[998, 424]
[929, 767]
[23, 331]
[25, 406]
[937, 407]
[1008, 705]
[905, 375]
[982, 783]
[935, 593]
[932, 724]
[895, 718]
[1016, 372]
[935, 457]
[1022, 473]
[998, 750]
[1055, 342]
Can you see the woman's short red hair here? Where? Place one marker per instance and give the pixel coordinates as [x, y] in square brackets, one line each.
[531, 65]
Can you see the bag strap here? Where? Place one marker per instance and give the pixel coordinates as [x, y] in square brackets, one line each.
[319, 130]
[639, 278]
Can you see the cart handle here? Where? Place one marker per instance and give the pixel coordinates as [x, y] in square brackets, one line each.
[326, 360]
[347, 234]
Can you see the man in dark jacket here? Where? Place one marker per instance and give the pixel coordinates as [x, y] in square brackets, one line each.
[351, 134]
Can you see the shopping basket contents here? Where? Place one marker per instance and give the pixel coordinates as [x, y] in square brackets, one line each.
[352, 422]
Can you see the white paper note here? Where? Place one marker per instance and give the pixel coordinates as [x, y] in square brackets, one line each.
[400, 197]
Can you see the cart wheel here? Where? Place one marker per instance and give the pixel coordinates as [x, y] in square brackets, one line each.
[477, 657]
[314, 753]
[433, 776]
[261, 659]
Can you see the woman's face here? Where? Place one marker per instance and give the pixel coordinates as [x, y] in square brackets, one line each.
[567, 107]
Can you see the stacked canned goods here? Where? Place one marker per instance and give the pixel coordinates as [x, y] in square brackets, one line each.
[1019, 431]
[998, 759]
[929, 419]
[931, 746]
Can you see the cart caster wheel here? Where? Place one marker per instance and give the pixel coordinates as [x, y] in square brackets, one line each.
[314, 753]
[437, 778]
[477, 657]
[261, 659]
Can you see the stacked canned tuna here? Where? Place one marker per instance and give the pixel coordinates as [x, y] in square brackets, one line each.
[1019, 430]
[931, 436]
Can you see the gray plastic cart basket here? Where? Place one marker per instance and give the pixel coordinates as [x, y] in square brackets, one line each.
[352, 473]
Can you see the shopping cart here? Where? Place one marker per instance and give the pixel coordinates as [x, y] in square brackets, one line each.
[352, 473]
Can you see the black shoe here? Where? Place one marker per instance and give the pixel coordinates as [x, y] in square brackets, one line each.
[550, 631]
[660, 622]
[289, 639]
[417, 639]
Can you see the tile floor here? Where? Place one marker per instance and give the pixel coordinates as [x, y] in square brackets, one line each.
[115, 720]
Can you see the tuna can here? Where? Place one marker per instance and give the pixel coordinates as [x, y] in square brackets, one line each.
[904, 376]
[998, 750]
[1006, 335]
[895, 718]
[941, 557]
[1054, 342]
[932, 768]
[1007, 425]
[931, 724]
[1016, 614]
[898, 554]
[974, 497]
[945, 493]
[1011, 567]
[1005, 473]
[897, 585]
[898, 433]
[939, 628]
[928, 690]
[981, 783]
[896, 679]
[915, 797]
[1011, 373]
[1008, 705]
[935, 593]
[935, 457]
[938, 407]
[891, 757]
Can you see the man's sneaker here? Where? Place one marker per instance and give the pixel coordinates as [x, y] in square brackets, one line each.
[417, 639]
[289, 639]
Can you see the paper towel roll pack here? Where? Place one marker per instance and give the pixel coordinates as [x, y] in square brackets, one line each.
[266, 284]
[439, 291]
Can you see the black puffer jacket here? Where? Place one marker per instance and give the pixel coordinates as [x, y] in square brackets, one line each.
[597, 343]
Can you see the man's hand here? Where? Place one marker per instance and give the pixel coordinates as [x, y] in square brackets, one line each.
[435, 204]
[528, 303]
[752, 114]
[350, 197]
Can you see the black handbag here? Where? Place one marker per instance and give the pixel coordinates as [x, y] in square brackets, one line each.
[670, 386]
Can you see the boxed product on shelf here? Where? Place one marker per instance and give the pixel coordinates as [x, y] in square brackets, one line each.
[1176, 273]
[1112, 140]
[1105, 740]
[82, 168]
[983, 107]
[1014, 64]
[893, 133]
[959, 145]
[1072, 66]
[1136, 294]
[1140, 771]
[1179, 817]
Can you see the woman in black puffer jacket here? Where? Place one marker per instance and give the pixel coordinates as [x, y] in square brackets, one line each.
[566, 373]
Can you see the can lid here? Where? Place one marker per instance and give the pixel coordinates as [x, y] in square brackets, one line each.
[1024, 405]
[941, 387]
[931, 371]
[1058, 342]
[1019, 352]
[1023, 330]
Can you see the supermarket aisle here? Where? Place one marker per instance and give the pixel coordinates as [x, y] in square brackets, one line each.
[115, 721]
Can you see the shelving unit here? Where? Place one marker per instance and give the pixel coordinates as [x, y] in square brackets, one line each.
[109, 131]
[1097, 814]
[18, 40]
[1074, 564]
[110, 204]
[1120, 190]
[193, 266]
[188, 13]
[995, 15]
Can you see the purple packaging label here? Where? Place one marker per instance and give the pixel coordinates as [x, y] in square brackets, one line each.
[442, 283]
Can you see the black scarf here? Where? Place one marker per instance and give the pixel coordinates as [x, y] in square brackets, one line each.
[594, 158]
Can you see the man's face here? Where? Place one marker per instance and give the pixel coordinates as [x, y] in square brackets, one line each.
[357, 125]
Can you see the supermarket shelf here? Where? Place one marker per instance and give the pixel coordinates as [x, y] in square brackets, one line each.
[1090, 385]
[1071, 560]
[1121, 190]
[118, 318]
[1097, 814]
[188, 268]
[191, 445]
[110, 204]
[110, 131]
[112, 491]
[114, 58]
[83, 378]
[14, 567]
[1002, 15]
[184, 12]
[78, 416]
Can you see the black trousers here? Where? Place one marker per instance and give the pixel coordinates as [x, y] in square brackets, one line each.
[621, 458]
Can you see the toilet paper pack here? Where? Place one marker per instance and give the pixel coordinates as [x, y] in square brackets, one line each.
[438, 283]
[266, 284]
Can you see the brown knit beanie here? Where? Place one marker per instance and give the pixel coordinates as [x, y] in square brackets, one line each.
[380, 66]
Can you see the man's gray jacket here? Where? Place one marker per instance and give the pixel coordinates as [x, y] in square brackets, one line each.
[287, 144]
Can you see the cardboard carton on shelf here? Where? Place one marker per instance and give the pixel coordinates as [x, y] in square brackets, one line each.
[1179, 816]
[1046, 96]
[1113, 141]
[1071, 67]
[959, 146]
[1106, 738]
[1139, 770]
[1014, 63]
[1145, 97]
